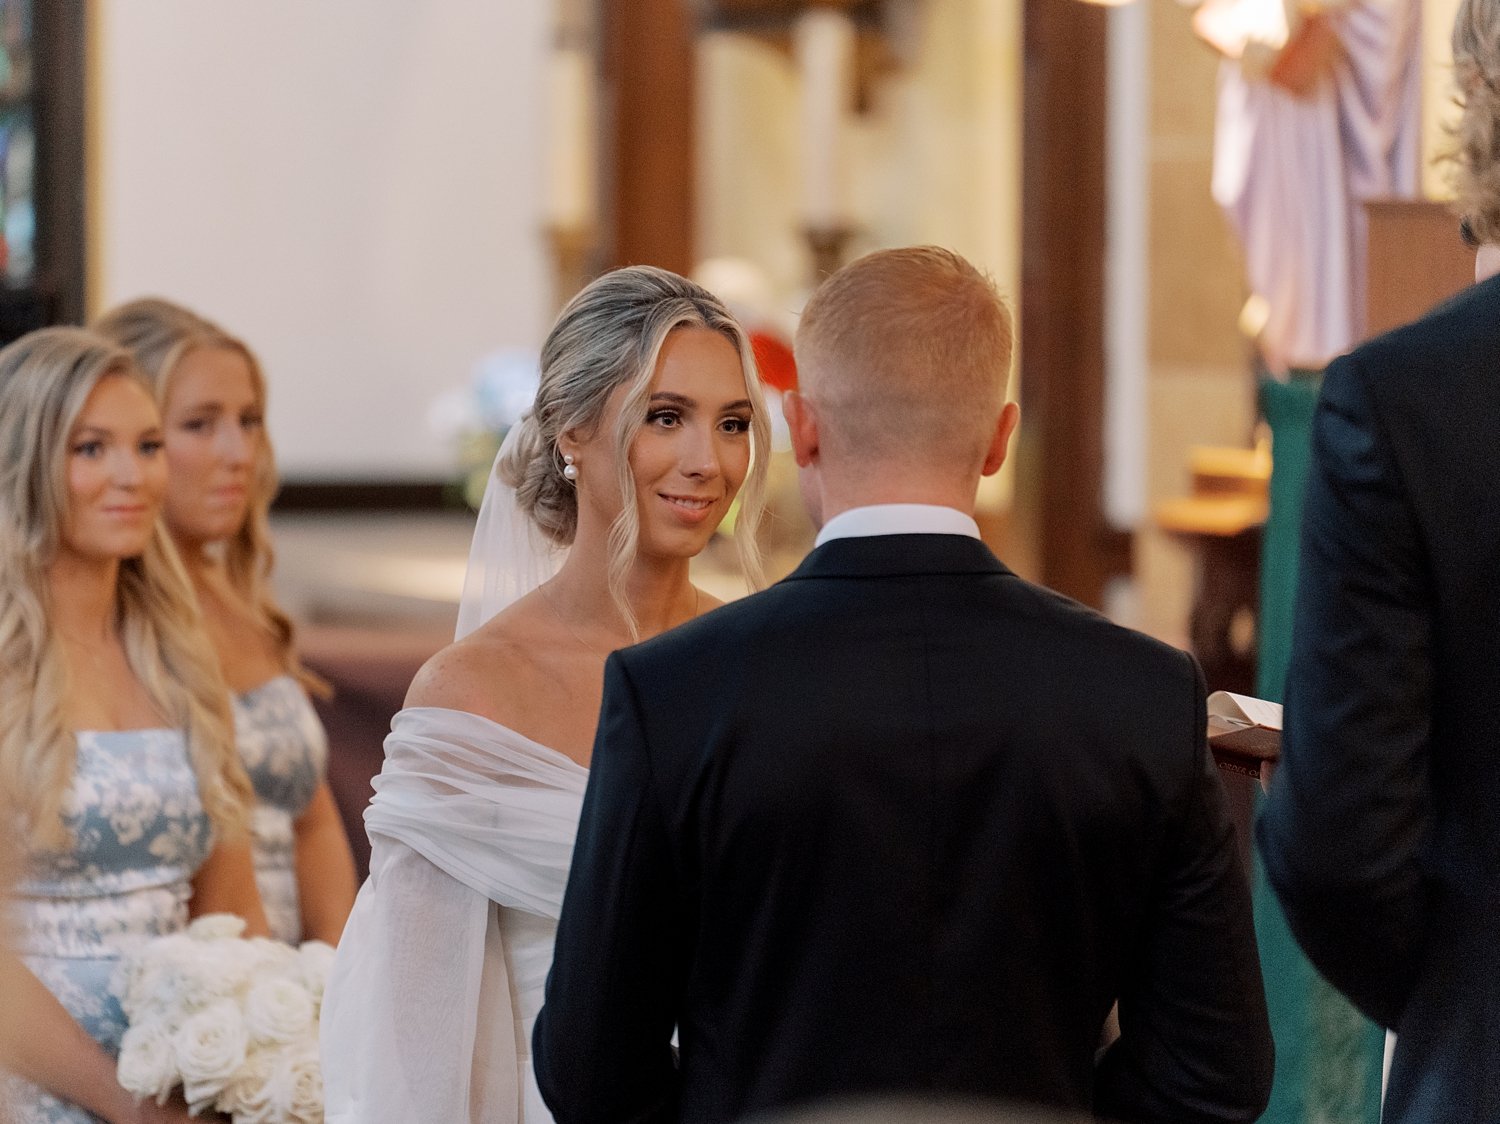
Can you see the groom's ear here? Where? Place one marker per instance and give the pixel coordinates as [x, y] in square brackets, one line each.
[802, 422]
[1000, 440]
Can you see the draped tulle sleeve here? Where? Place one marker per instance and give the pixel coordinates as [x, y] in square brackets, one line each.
[421, 1018]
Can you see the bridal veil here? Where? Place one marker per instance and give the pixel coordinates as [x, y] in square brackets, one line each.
[423, 1018]
[508, 556]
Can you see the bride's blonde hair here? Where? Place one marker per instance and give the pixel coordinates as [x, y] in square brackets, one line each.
[45, 379]
[610, 335]
[158, 334]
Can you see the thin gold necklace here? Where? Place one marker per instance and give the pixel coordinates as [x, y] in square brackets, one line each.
[562, 620]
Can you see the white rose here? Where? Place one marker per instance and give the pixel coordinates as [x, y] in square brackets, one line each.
[296, 1086]
[145, 980]
[202, 977]
[210, 1045]
[147, 1065]
[216, 926]
[307, 1087]
[165, 950]
[278, 1010]
[236, 962]
[268, 957]
[248, 1096]
[316, 958]
[201, 1095]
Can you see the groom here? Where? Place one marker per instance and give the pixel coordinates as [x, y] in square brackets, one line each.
[903, 823]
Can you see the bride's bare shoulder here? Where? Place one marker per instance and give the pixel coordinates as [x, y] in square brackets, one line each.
[486, 672]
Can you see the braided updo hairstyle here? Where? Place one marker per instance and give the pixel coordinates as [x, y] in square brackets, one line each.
[1476, 69]
[609, 336]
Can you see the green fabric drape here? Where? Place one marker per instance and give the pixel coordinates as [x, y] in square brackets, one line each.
[1328, 1056]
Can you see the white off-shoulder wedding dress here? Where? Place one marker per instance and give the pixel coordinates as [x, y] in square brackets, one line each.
[440, 972]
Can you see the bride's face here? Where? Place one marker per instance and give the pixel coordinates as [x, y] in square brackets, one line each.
[693, 451]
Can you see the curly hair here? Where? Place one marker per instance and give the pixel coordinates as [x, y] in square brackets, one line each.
[1476, 135]
[46, 378]
[608, 336]
[158, 334]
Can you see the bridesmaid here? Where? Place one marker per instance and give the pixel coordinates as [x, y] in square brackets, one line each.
[117, 764]
[220, 481]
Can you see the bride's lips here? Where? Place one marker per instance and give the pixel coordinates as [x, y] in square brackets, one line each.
[690, 509]
[126, 510]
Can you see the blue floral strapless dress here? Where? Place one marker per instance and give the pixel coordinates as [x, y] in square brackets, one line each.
[285, 751]
[139, 834]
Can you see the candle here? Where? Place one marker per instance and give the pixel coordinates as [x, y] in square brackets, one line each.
[570, 138]
[824, 42]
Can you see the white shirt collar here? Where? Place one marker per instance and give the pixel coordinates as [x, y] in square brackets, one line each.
[897, 519]
[1486, 262]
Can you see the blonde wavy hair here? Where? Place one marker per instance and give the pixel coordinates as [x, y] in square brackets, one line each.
[45, 379]
[158, 334]
[610, 335]
[1476, 136]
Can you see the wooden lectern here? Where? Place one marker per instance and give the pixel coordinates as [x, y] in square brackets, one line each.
[1416, 261]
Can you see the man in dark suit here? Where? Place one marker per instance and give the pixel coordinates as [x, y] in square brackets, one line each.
[1381, 836]
[903, 823]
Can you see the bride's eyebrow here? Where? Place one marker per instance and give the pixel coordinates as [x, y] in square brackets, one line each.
[667, 398]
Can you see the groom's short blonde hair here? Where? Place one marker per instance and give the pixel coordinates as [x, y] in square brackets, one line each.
[905, 355]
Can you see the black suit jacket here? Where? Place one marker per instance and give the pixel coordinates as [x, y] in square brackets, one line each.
[903, 823]
[1382, 837]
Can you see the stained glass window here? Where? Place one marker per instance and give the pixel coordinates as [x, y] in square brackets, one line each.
[17, 144]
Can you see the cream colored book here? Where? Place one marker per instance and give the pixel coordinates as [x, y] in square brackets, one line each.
[1243, 731]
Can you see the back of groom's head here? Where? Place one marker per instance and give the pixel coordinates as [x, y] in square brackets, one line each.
[905, 354]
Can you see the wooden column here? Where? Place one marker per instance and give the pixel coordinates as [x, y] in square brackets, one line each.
[1062, 296]
[61, 35]
[648, 174]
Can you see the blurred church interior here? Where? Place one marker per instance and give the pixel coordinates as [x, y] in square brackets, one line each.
[389, 200]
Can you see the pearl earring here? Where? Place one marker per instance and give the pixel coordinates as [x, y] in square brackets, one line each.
[570, 470]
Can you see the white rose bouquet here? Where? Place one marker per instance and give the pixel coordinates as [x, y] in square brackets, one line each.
[233, 1021]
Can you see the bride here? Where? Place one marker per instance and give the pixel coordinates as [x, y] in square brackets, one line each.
[647, 421]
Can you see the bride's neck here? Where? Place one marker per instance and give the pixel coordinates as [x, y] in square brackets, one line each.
[659, 593]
